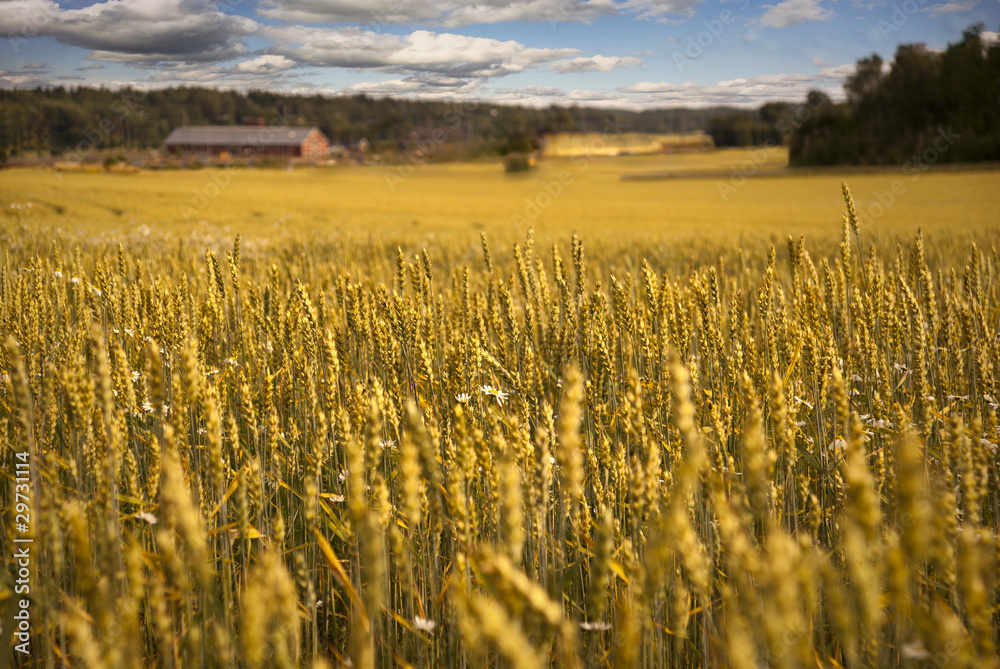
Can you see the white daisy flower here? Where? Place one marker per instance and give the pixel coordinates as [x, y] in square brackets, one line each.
[837, 445]
[423, 624]
[500, 395]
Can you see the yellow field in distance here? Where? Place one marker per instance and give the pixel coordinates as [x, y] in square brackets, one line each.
[561, 196]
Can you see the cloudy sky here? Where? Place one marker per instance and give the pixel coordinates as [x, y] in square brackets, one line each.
[628, 53]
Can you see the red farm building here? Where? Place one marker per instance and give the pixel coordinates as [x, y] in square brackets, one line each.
[247, 141]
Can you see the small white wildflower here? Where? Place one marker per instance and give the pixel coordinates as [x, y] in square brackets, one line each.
[500, 395]
[148, 517]
[552, 460]
[336, 498]
[463, 397]
[74, 280]
[915, 650]
[134, 376]
[130, 332]
[899, 368]
[387, 443]
[57, 274]
[799, 400]
[232, 362]
[423, 624]
[595, 625]
[837, 445]
[342, 476]
[147, 407]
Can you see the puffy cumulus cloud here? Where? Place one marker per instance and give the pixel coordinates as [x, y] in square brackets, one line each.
[793, 12]
[595, 64]
[989, 37]
[266, 64]
[26, 18]
[419, 52]
[740, 92]
[134, 30]
[449, 13]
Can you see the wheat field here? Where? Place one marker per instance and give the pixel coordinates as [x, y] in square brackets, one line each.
[362, 451]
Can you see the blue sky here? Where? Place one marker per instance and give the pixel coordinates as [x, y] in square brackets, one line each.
[615, 53]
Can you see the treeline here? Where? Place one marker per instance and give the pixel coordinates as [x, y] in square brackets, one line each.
[60, 121]
[753, 127]
[926, 107]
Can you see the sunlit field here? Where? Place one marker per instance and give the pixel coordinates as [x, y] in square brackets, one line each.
[449, 417]
[558, 198]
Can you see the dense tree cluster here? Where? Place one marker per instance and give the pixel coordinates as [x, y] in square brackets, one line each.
[80, 122]
[924, 107]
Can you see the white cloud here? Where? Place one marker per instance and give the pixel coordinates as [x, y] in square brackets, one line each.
[595, 64]
[267, 64]
[420, 51]
[791, 12]
[449, 13]
[10, 79]
[988, 37]
[660, 9]
[26, 18]
[740, 92]
[424, 87]
[134, 30]
[950, 8]
[552, 11]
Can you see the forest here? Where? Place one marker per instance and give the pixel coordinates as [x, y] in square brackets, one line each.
[925, 106]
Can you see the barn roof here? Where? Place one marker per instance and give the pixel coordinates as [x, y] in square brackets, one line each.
[223, 135]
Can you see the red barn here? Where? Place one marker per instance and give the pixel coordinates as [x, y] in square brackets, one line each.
[248, 141]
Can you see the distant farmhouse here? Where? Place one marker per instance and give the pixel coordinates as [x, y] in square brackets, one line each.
[246, 141]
